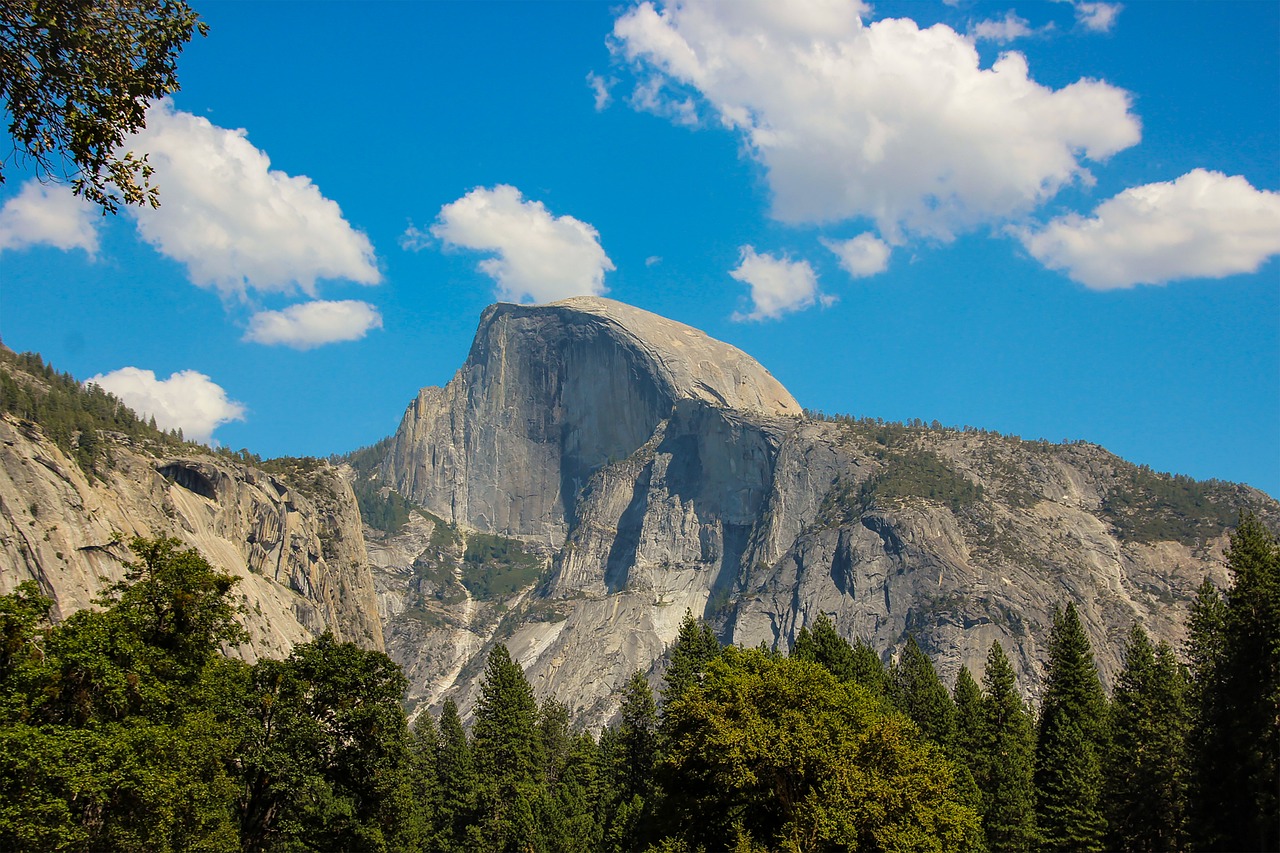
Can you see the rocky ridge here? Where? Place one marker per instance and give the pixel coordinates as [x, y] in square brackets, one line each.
[292, 536]
[654, 469]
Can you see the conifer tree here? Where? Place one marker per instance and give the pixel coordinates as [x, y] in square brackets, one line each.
[425, 750]
[1071, 741]
[555, 738]
[507, 752]
[1145, 790]
[966, 742]
[919, 693]
[457, 779]
[637, 737]
[1212, 780]
[631, 757]
[1235, 660]
[695, 646]
[967, 697]
[574, 800]
[1004, 765]
[856, 662]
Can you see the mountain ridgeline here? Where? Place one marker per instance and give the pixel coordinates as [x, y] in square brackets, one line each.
[602, 502]
[81, 475]
[618, 468]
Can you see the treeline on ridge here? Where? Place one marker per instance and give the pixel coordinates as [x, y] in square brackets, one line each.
[126, 728]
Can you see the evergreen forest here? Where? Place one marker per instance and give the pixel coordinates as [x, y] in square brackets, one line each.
[128, 727]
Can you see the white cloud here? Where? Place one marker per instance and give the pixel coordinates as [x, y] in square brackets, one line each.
[236, 223]
[1006, 29]
[862, 256]
[885, 121]
[778, 285]
[49, 215]
[187, 400]
[540, 257]
[600, 89]
[653, 260]
[1202, 225]
[312, 324]
[1097, 17]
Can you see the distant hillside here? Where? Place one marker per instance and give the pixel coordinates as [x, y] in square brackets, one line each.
[81, 475]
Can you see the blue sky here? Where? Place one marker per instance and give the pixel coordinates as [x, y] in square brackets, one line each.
[1055, 220]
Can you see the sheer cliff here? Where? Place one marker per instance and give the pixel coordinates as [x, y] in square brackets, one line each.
[652, 469]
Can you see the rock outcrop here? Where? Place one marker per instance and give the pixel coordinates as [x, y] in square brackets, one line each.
[550, 394]
[660, 470]
[293, 538]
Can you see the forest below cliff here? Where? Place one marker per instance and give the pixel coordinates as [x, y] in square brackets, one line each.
[126, 727]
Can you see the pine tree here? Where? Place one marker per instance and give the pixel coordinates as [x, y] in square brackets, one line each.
[920, 695]
[630, 757]
[1145, 789]
[856, 662]
[457, 775]
[637, 737]
[555, 739]
[1004, 764]
[574, 801]
[695, 646]
[1235, 659]
[966, 743]
[1071, 741]
[967, 698]
[1212, 775]
[507, 751]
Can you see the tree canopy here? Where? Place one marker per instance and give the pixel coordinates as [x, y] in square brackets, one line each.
[126, 727]
[76, 78]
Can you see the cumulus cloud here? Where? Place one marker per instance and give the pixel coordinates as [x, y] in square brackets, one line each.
[863, 256]
[882, 120]
[187, 400]
[313, 324]
[539, 257]
[1003, 30]
[778, 285]
[1202, 225]
[236, 223]
[48, 215]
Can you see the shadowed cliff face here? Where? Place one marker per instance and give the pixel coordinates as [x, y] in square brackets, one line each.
[657, 470]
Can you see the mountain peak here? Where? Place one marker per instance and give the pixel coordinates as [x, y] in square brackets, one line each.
[688, 363]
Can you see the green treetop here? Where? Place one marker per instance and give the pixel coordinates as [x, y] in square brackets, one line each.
[919, 693]
[76, 78]
[1005, 762]
[1071, 742]
[1145, 793]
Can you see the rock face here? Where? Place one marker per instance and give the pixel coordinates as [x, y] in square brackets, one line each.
[293, 538]
[550, 394]
[660, 470]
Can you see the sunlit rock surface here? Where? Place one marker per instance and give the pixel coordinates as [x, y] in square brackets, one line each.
[658, 470]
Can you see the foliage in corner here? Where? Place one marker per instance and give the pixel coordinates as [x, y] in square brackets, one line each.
[76, 79]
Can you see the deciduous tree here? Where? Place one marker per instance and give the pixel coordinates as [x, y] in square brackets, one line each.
[76, 77]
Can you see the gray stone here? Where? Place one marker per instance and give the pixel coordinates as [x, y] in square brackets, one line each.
[663, 470]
